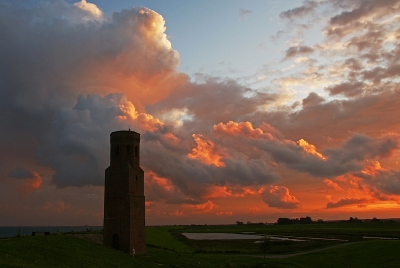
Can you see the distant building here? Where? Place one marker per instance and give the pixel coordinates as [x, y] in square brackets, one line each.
[124, 201]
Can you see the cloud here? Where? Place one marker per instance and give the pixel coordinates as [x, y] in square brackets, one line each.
[366, 10]
[244, 13]
[202, 208]
[279, 197]
[346, 202]
[90, 8]
[307, 8]
[27, 182]
[29, 185]
[346, 89]
[298, 51]
[21, 173]
[63, 70]
[332, 184]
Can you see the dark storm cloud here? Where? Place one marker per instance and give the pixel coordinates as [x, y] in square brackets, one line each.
[58, 64]
[192, 177]
[21, 173]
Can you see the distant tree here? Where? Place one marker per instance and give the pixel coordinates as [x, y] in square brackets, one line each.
[239, 223]
[375, 220]
[320, 221]
[306, 220]
[284, 221]
[354, 220]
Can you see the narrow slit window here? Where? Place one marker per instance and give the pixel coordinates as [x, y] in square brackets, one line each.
[128, 149]
[117, 150]
[136, 151]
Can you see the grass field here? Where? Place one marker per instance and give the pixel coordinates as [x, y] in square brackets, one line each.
[166, 248]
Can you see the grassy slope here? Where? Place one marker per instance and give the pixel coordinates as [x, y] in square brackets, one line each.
[161, 237]
[67, 251]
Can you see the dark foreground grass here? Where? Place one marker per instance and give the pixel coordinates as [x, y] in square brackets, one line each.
[68, 251]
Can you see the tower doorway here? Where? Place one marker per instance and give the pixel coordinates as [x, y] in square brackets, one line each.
[115, 239]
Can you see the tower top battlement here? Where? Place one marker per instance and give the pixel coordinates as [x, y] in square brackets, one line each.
[125, 148]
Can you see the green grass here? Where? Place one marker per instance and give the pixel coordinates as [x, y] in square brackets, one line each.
[161, 237]
[373, 253]
[60, 251]
[166, 249]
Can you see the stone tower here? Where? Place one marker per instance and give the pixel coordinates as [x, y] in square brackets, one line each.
[124, 207]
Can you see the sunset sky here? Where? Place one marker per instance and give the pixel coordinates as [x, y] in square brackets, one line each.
[247, 111]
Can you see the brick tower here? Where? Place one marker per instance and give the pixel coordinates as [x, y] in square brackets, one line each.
[124, 207]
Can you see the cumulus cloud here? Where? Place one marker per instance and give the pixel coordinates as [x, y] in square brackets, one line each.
[90, 8]
[279, 197]
[63, 70]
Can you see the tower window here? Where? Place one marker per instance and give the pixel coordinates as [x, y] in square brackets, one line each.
[136, 151]
[117, 150]
[128, 149]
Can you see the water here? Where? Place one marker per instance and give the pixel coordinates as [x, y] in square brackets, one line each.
[246, 235]
[12, 231]
[220, 236]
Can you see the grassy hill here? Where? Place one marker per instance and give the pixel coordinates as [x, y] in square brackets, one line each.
[164, 250]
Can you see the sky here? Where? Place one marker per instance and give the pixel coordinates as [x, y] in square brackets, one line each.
[248, 111]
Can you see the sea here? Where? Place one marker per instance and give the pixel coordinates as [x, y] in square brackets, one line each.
[13, 231]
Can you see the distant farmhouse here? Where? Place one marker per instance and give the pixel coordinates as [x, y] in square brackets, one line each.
[124, 201]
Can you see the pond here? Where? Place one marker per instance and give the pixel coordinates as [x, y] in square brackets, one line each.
[230, 236]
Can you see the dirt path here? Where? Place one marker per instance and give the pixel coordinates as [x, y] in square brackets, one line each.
[303, 252]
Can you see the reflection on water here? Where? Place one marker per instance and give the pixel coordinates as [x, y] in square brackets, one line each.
[229, 236]
[220, 236]
[253, 236]
[383, 238]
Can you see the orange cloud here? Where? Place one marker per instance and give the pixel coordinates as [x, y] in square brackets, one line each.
[144, 120]
[225, 191]
[279, 197]
[373, 168]
[177, 213]
[226, 213]
[332, 184]
[243, 129]
[30, 185]
[254, 210]
[202, 208]
[309, 148]
[58, 206]
[206, 152]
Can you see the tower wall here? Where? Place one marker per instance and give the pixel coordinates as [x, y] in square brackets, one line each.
[124, 200]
